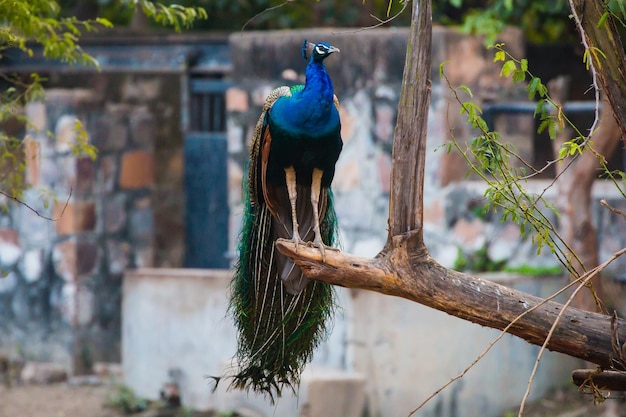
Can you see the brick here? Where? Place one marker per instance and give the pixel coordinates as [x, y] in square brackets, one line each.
[85, 176]
[260, 94]
[10, 250]
[36, 114]
[66, 172]
[384, 172]
[86, 257]
[471, 234]
[385, 118]
[141, 222]
[31, 264]
[9, 236]
[434, 213]
[237, 100]
[32, 158]
[137, 170]
[85, 300]
[142, 126]
[65, 133]
[107, 174]
[64, 259]
[347, 176]
[348, 124]
[110, 131]
[114, 212]
[118, 256]
[78, 216]
[8, 282]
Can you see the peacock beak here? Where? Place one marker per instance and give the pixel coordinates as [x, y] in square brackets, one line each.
[333, 49]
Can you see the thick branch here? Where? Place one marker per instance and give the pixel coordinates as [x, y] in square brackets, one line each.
[417, 277]
[407, 172]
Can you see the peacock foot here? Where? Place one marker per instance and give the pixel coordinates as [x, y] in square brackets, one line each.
[317, 243]
[297, 241]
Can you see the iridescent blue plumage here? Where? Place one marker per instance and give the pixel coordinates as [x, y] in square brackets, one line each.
[280, 315]
[305, 128]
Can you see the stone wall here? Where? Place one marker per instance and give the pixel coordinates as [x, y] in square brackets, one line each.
[367, 79]
[61, 300]
[367, 76]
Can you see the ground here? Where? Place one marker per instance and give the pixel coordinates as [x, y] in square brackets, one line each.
[58, 400]
[63, 400]
[571, 403]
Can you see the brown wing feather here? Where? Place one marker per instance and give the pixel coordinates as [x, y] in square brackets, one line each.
[265, 154]
[254, 176]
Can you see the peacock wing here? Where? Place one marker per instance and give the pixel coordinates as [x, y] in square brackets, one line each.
[261, 139]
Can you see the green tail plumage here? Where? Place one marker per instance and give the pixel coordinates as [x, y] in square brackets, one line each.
[282, 317]
[278, 331]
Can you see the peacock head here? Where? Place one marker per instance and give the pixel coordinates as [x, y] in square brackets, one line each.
[319, 51]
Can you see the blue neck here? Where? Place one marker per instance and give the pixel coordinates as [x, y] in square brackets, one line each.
[311, 109]
[319, 86]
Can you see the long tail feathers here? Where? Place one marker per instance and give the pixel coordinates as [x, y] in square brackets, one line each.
[278, 331]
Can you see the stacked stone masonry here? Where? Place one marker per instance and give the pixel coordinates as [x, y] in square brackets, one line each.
[60, 299]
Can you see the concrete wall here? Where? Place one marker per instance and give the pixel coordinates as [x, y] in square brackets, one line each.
[176, 320]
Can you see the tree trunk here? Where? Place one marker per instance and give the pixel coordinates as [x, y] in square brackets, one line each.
[607, 53]
[574, 195]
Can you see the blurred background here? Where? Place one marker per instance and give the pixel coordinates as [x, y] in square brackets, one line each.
[130, 284]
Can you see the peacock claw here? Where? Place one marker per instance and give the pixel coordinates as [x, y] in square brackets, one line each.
[297, 241]
[322, 248]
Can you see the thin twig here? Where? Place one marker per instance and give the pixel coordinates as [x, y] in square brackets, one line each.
[613, 209]
[504, 332]
[380, 23]
[269, 9]
[31, 208]
[584, 281]
[592, 67]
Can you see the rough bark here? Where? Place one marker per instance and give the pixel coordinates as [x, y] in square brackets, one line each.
[408, 154]
[405, 269]
[607, 380]
[414, 275]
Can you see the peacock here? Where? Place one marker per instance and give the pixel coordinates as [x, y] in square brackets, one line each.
[281, 317]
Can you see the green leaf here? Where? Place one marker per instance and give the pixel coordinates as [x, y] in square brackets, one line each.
[552, 130]
[508, 67]
[524, 65]
[466, 89]
[499, 56]
[104, 22]
[543, 125]
[603, 18]
[441, 67]
[518, 76]
[532, 89]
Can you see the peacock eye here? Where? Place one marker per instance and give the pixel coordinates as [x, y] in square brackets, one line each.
[320, 50]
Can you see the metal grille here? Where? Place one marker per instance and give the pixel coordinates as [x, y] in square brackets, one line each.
[208, 105]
